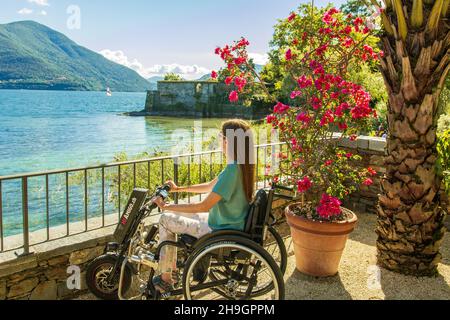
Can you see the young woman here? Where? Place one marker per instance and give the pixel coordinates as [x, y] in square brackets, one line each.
[225, 208]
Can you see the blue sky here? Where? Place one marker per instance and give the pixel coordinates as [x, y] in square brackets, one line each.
[157, 36]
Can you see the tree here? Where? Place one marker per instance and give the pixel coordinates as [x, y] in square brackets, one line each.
[416, 42]
[172, 77]
[317, 61]
[280, 82]
[356, 8]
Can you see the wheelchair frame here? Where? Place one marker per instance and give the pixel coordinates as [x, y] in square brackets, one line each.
[135, 250]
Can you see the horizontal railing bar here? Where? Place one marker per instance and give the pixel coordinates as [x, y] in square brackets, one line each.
[24, 177]
[115, 164]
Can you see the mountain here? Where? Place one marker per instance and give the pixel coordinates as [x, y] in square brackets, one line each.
[155, 79]
[206, 77]
[258, 68]
[33, 56]
[154, 82]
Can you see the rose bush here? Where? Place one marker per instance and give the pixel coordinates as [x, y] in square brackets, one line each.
[323, 109]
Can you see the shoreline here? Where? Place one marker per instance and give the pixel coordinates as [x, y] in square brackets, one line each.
[63, 90]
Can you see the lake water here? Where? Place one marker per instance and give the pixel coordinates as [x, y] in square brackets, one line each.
[46, 130]
[41, 130]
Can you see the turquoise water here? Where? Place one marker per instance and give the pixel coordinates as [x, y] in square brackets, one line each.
[46, 130]
[41, 130]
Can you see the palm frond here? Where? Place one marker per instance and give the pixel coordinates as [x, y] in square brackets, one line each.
[435, 16]
[417, 14]
[401, 21]
[445, 8]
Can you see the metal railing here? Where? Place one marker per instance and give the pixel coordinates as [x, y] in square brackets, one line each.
[91, 198]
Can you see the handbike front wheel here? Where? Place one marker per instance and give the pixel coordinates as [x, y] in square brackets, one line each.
[236, 264]
[97, 275]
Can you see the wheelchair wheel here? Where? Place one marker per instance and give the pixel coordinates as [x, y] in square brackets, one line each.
[237, 266]
[274, 245]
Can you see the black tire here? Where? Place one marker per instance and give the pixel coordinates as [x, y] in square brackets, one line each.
[233, 241]
[103, 264]
[282, 260]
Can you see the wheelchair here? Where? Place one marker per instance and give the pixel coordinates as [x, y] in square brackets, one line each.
[225, 264]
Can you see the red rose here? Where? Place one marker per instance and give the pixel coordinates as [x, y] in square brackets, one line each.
[304, 117]
[280, 108]
[295, 94]
[304, 185]
[329, 206]
[342, 126]
[234, 96]
[368, 182]
[240, 83]
[289, 54]
[372, 172]
[292, 16]
[239, 60]
[214, 75]
[228, 80]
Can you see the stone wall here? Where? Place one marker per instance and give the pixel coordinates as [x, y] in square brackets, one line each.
[205, 99]
[43, 275]
[372, 150]
[188, 93]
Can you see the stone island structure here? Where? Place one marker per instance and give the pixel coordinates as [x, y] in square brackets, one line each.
[205, 99]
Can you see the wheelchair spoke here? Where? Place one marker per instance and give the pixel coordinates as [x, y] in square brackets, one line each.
[235, 272]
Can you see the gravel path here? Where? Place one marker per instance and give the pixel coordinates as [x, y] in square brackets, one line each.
[360, 279]
[357, 278]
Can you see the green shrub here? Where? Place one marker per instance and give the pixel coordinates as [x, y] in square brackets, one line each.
[443, 164]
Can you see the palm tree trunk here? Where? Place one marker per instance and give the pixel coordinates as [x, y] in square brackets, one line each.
[416, 62]
[410, 216]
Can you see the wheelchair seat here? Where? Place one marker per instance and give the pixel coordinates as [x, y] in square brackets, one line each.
[255, 222]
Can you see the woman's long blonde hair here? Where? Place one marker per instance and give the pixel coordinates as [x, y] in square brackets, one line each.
[246, 160]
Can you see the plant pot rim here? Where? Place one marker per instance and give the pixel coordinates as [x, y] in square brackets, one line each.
[352, 220]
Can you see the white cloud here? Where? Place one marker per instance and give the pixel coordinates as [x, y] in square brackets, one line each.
[186, 71]
[43, 13]
[259, 58]
[25, 11]
[40, 2]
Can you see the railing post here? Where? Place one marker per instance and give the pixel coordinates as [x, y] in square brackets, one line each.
[26, 235]
[1, 218]
[175, 175]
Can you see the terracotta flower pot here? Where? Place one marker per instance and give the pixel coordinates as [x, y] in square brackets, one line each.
[318, 246]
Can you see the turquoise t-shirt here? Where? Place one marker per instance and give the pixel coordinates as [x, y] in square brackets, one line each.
[231, 211]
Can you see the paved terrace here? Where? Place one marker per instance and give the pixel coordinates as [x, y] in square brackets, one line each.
[43, 274]
[359, 278]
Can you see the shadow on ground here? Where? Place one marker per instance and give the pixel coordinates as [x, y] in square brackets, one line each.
[359, 277]
[303, 287]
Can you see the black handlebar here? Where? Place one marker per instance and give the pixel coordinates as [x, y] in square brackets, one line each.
[162, 191]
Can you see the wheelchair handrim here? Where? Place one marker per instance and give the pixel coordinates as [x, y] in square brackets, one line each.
[235, 246]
